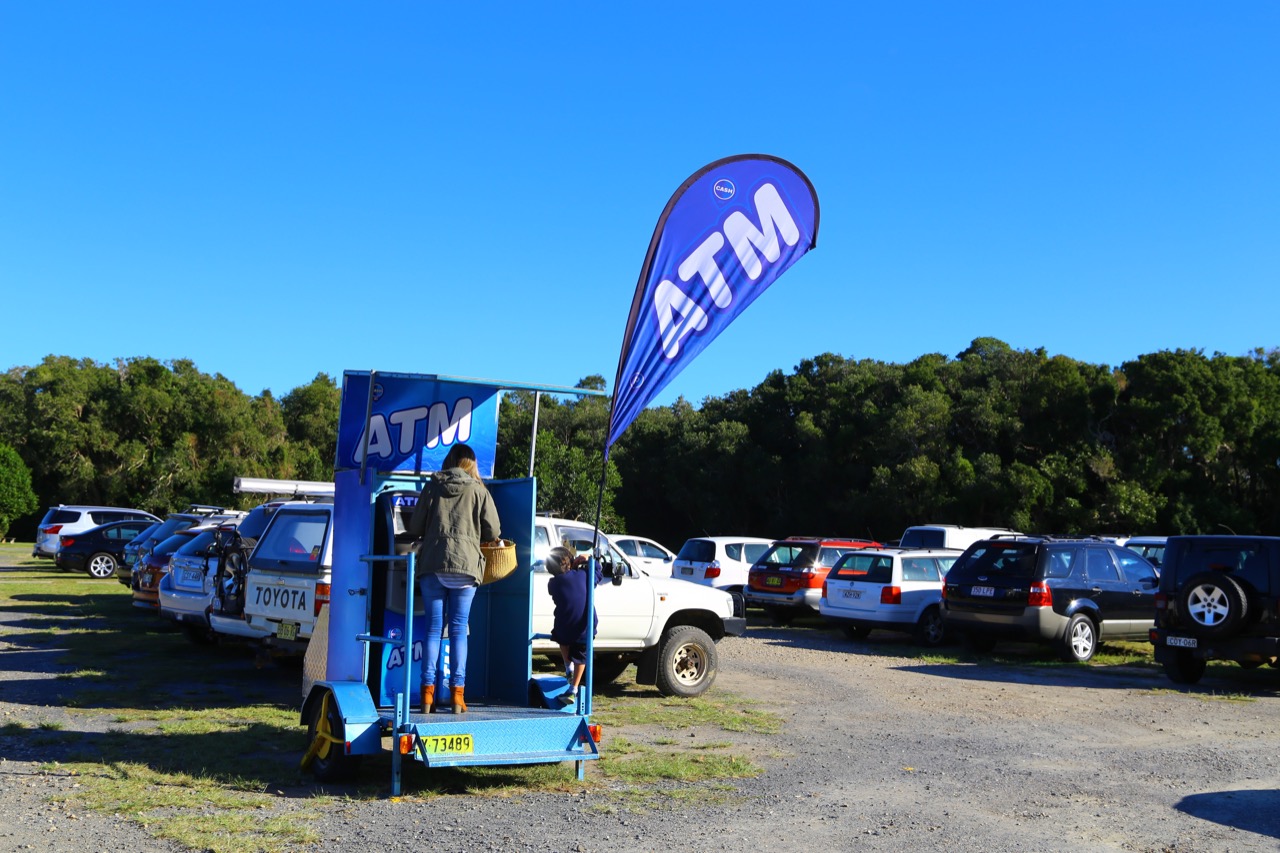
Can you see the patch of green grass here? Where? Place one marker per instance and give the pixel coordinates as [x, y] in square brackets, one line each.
[50, 726]
[13, 728]
[718, 708]
[194, 748]
[679, 767]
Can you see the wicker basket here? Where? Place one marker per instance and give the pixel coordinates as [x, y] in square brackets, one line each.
[499, 560]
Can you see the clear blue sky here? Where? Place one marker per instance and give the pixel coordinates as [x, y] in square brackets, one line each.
[277, 189]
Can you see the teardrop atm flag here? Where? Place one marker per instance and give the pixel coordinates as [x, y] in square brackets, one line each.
[727, 234]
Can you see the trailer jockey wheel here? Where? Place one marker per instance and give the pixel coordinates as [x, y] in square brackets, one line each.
[325, 752]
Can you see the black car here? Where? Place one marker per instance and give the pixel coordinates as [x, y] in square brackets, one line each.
[1072, 593]
[1217, 601]
[98, 550]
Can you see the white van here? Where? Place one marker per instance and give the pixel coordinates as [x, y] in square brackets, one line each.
[951, 537]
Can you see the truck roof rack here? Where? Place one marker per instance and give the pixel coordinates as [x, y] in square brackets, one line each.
[294, 488]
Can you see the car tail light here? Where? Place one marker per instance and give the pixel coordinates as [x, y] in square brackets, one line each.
[890, 595]
[1162, 601]
[813, 581]
[322, 596]
[1039, 595]
[64, 541]
[944, 592]
[713, 569]
[824, 589]
[51, 529]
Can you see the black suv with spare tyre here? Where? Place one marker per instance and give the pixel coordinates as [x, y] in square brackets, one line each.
[1070, 592]
[1217, 601]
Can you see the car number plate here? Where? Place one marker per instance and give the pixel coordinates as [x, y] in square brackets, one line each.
[985, 591]
[287, 631]
[448, 744]
[773, 581]
[146, 579]
[852, 593]
[192, 575]
[1185, 642]
[687, 570]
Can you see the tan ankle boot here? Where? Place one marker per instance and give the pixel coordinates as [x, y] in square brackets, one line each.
[459, 705]
[428, 698]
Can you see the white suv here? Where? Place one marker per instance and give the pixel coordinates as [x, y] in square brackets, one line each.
[64, 520]
[723, 562]
[890, 589]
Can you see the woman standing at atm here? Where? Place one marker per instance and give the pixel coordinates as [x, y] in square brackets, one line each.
[455, 513]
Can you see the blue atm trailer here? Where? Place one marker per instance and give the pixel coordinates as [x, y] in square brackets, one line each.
[394, 430]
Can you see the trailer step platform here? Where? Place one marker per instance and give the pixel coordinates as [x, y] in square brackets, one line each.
[497, 734]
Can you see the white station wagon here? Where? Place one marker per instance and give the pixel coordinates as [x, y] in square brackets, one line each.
[889, 589]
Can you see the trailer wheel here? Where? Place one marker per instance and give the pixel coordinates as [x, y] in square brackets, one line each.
[686, 662]
[329, 763]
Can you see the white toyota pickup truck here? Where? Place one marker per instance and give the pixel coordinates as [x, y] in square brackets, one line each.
[667, 627]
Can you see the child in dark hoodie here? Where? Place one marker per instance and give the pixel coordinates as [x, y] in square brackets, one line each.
[568, 588]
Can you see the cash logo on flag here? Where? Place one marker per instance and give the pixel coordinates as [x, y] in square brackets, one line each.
[727, 234]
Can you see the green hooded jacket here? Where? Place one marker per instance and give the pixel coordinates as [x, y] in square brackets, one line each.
[455, 513]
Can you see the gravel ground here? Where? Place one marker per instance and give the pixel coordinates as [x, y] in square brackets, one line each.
[877, 752]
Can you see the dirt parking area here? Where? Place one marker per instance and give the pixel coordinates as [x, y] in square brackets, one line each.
[878, 751]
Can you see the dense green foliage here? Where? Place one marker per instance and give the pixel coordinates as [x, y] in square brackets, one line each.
[158, 436]
[1172, 442]
[17, 498]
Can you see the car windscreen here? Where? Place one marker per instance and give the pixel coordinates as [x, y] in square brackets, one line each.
[788, 554]
[200, 545]
[170, 526]
[256, 521]
[295, 540]
[871, 568]
[917, 537]
[61, 516]
[1012, 560]
[168, 546]
[697, 551]
[145, 534]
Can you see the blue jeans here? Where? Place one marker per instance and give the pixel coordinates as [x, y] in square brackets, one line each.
[434, 597]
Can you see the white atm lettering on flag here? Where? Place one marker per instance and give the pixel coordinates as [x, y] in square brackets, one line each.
[748, 243]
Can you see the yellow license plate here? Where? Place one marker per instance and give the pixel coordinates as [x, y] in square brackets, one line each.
[287, 631]
[448, 744]
[773, 581]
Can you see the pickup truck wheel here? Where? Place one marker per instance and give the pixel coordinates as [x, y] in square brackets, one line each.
[1182, 667]
[102, 565]
[1214, 603]
[608, 668]
[329, 762]
[687, 662]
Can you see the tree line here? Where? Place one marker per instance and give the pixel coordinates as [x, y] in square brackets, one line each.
[1171, 442]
